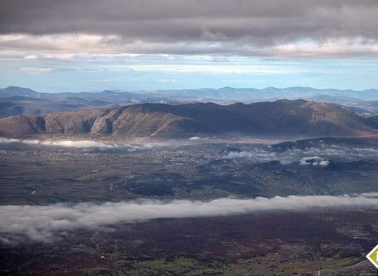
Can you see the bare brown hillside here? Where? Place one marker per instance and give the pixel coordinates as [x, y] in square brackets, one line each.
[284, 117]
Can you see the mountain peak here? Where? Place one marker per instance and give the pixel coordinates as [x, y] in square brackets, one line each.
[11, 91]
[226, 88]
[283, 118]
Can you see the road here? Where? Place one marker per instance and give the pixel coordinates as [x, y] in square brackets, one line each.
[97, 245]
[319, 272]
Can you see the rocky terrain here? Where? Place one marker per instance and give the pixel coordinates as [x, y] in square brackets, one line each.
[297, 118]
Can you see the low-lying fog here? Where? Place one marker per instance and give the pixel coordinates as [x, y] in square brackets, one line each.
[316, 154]
[78, 144]
[319, 155]
[43, 223]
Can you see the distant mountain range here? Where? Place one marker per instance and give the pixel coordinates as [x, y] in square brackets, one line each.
[225, 93]
[19, 105]
[24, 101]
[282, 118]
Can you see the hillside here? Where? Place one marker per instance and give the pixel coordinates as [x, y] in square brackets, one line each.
[19, 105]
[372, 120]
[296, 118]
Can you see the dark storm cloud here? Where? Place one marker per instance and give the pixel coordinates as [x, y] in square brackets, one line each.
[258, 22]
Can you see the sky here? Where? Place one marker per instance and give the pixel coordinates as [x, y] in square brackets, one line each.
[86, 45]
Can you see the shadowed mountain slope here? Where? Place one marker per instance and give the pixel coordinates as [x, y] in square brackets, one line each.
[372, 120]
[279, 118]
[18, 105]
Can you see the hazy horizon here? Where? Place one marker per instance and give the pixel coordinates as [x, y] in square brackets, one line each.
[185, 88]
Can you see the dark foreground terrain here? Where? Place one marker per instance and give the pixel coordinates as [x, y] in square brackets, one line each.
[37, 174]
[320, 241]
[273, 243]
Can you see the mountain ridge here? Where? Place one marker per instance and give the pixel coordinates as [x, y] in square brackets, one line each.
[24, 101]
[210, 93]
[297, 118]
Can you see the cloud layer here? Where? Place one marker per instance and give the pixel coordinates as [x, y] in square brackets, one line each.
[317, 155]
[81, 144]
[263, 21]
[42, 222]
[193, 26]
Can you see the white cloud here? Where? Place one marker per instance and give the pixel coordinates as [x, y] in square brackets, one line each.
[66, 46]
[331, 48]
[6, 140]
[31, 57]
[318, 155]
[314, 160]
[324, 163]
[77, 144]
[61, 46]
[42, 222]
[110, 80]
[216, 69]
[35, 70]
[197, 138]
[83, 144]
